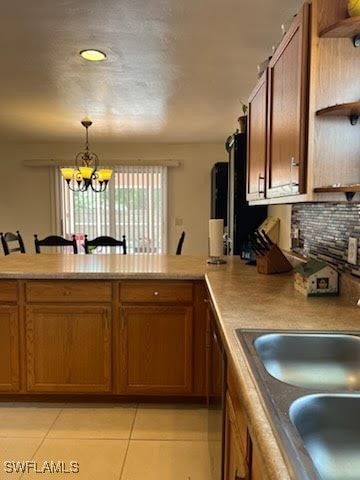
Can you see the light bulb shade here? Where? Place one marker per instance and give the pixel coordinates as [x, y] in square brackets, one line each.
[68, 173]
[86, 172]
[105, 174]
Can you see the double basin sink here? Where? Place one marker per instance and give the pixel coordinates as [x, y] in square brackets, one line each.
[310, 383]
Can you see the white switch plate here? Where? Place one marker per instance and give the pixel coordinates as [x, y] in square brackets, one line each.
[352, 250]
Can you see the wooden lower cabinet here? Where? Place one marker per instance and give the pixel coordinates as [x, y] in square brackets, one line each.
[256, 467]
[129, 337]
[242, 461]
[156, 349]
[9, 349]
[68, 349]
[236, 455]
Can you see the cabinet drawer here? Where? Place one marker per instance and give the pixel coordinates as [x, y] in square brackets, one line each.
[68, 291]
[8, 290]
[156, 292]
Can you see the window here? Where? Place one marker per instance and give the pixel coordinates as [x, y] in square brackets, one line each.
[133, 205]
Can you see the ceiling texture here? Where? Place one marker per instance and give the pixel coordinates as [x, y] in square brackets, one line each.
[176, 70]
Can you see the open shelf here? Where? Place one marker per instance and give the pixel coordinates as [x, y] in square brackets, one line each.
[343, 109]
[347, 28]
[349, 190]
[351, 110]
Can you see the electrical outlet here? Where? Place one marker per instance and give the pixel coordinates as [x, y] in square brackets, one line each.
[352, 250]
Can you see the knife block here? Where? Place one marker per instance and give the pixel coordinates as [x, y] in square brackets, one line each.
[273, 261]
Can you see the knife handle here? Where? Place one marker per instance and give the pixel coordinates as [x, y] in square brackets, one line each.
[266, 236]
[259, 237]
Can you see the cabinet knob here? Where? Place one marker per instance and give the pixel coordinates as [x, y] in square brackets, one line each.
[156, 293]
[238, 477]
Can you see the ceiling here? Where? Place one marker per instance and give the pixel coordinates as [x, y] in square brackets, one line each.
[176, 70]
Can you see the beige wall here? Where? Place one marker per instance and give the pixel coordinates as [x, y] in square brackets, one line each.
[25, 198]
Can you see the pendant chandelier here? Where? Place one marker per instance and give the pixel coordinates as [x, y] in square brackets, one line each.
[86, 173]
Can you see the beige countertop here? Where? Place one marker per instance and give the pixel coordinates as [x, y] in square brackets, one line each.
[242, 299]
[102, 266]
[245, 299]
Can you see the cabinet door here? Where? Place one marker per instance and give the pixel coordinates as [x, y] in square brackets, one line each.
[287, 111]
[68, 349]
[256, 466]
[9, 349]
[257, 141]
[157, 349]
[236, 466]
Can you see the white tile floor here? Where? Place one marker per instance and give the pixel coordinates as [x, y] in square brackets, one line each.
[108, 442]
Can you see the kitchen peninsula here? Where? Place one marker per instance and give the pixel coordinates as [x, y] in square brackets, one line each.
[116, 310]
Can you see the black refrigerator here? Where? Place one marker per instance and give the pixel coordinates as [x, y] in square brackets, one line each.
[228, 198]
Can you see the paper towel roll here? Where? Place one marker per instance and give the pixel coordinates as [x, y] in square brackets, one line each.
[216, 231]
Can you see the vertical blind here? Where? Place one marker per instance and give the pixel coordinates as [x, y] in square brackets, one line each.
[133, 205]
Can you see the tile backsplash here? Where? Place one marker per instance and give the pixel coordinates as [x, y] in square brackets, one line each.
[324, 230]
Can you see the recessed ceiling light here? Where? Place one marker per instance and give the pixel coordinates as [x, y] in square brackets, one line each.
[93, 55]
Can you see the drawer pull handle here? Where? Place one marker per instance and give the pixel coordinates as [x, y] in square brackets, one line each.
[156, 293]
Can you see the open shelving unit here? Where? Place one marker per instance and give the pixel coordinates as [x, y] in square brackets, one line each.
[346, 28]
[351, 110]
[349, 190]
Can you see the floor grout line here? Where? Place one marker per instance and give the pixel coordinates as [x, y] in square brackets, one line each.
[129, 437]
[129, 440]
[42, 440]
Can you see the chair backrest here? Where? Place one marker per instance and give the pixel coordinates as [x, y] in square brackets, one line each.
[105, 241]
[180, 243]
[10, 237]
[55, 241]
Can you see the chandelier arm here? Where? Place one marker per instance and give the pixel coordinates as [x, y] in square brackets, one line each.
[77, 188]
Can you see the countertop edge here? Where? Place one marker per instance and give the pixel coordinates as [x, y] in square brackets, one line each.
[260, 428]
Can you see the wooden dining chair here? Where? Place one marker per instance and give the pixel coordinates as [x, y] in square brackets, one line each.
[105, 241]
[16, 241]
[55, 241]
[180, 243]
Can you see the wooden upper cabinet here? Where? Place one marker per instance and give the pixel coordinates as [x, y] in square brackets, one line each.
[257, 140]
[288, 110]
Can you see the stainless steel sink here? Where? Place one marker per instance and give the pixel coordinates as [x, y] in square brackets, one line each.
[329, 426]
[312, 360]
[307, 381]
